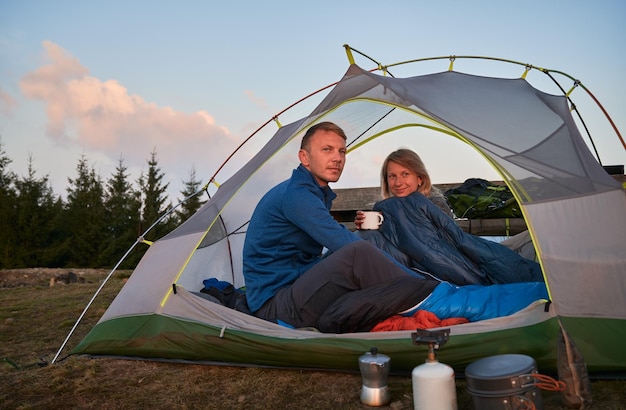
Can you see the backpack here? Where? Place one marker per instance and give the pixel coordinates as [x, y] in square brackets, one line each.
[480, 199]
[226, 294]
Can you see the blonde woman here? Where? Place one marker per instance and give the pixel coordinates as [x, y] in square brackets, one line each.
[420, 232]
[402, 173]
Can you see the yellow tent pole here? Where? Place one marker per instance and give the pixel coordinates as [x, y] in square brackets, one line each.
[349, 53]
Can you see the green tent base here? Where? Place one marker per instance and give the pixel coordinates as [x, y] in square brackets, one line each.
[162, 337]
[166, 337]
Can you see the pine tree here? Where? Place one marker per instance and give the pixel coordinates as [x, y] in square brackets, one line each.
[122, 206]
[84, 219]
[194, 201]
[154, 201]
[35, 215]
[7, 210]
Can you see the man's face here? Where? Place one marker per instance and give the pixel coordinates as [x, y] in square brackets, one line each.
[325, 156]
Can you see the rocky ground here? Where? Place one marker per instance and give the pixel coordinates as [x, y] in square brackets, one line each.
[12, 278]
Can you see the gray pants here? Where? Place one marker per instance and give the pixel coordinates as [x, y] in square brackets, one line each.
[350, 290]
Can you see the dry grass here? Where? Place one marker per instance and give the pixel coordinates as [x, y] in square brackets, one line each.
[36, 318]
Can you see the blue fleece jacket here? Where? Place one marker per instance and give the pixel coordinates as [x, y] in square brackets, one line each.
[287, 233]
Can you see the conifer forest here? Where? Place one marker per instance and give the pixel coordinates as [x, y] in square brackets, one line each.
[94, 223]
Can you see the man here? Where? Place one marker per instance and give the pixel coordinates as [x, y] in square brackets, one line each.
[288, 280]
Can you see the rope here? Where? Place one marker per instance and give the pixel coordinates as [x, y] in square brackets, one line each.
[40, 363]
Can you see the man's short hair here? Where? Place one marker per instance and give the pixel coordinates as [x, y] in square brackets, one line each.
[324, 126]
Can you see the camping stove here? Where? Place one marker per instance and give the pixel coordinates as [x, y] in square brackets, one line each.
[433, 382]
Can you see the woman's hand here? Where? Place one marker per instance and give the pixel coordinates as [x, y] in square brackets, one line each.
[358, 220]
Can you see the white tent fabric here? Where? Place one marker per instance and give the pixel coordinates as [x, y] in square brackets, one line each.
[580, 240]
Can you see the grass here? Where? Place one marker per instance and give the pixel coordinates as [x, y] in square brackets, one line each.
[35, 320]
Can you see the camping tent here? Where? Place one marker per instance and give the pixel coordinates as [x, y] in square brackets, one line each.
[575, 211]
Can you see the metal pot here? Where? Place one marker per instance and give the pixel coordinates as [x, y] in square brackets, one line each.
[503, 382]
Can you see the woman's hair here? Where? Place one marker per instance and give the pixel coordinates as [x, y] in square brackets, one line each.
[408, 159]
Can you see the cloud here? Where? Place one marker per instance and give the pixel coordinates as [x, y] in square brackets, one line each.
[104, 117]
[7, 103]
[259, 102]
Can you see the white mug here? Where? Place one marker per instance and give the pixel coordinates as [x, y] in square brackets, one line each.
[373, 220]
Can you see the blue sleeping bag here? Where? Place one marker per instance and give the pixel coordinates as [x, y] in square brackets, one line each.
[420, 235]
[476, 302]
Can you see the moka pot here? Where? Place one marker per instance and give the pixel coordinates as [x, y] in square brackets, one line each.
[374, 369]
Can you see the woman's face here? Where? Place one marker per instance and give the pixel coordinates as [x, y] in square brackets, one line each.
[402, 181]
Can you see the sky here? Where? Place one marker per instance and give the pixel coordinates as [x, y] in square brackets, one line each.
[190, 80]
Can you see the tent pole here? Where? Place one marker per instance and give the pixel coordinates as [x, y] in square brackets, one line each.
[139, 240]
[91, 301]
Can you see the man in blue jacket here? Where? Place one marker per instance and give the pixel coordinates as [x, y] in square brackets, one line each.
[350, 288]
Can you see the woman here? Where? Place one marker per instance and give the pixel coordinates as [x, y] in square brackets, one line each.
[403, 172]
[419, 231]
